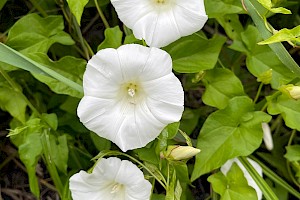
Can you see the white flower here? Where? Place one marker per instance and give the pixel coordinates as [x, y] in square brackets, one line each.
[268, 140]
[161, 22]
[130, 95]
[226, 167]
[111, 179]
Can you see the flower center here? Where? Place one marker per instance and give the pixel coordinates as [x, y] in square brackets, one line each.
[116, 188]
[160, 1]
[132, 89]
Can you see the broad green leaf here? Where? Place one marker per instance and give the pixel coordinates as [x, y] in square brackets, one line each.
[256, 60]
[287, 107]
[69, 67]
[2, 3]
[269, 5]
[12, 57]
[284, 35]
[51, 120]
[233, 186]
[59, 152]
[228, 133]
[113, 38]
[194, 53]
[77, 7]
[231, 25]
[218, 8]
[293, 153]
[148, 154]
[43, 32]
[189, 120]
[220, 86]
[13, 102]
[99, 142]
[157, 197]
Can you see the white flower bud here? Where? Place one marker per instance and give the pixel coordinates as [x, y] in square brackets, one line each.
[267, 136]
[176, 152]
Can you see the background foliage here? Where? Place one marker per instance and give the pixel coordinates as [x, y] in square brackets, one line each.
[234, 73]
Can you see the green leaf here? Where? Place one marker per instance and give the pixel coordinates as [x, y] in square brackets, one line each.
[12, 57]
[256, 60]
[2, 3]
[77, 7]
[287, 107]
[51, 120]
[293, 153]
[270, 6]
[43, 32]
[218, 8]
[277, 48]
[59, 151]
[228, 133]
[284, 35]
[233, 186]
[113, 38]
[99, 142]
[69, 67]
[28, 141]
[13, 102]
[189, 120]
[231, 25]
[194, 53]
[220, 86]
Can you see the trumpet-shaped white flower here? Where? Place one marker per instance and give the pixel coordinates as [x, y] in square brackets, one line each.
[226, 167]
[267, 136]
[130, 95]
[161, 22]
[111, 179]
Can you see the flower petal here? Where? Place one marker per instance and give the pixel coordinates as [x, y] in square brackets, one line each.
[106, 174]
[161, 25]
[131, 121]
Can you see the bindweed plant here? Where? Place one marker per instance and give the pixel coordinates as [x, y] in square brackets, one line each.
[152, 99]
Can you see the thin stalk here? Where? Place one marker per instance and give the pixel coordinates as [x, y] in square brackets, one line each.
[8, 159]
[50, 164]
[288, 166]
[39, 8]
[81, 40]
[267, 191]
[258, 92]
[277, 179]
[106, 24]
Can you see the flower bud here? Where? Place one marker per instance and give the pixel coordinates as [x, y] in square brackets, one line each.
[267, 136]
[265, 77]
[292, 90]
[176, 152]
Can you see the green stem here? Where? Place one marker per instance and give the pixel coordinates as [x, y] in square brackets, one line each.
[277, 179]
[258, 92]
[267, 191]
[81, 40]
[106, 24]
[8, 159]
[50, 163]
[39, 8]
[288, 166]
